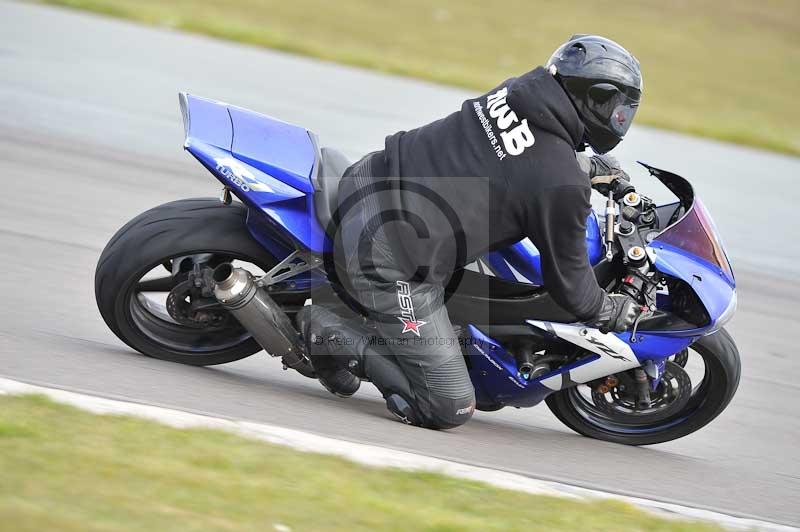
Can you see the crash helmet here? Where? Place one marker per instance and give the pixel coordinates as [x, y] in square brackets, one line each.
[604, 82]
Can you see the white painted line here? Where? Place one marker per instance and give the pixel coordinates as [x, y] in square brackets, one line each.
[375, 456]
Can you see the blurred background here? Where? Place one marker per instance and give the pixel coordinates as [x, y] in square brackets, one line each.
[725, 70]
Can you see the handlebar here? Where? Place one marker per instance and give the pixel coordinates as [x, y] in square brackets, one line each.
[614, 184]
[638, 281]
[615, 188]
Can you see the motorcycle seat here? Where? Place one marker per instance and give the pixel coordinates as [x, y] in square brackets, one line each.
[333, 164]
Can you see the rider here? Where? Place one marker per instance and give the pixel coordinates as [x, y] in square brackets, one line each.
[406, 225]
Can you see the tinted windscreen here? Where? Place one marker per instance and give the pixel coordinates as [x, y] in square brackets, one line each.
[697, 234]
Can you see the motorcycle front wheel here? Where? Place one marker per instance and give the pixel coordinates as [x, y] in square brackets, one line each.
[699, 399]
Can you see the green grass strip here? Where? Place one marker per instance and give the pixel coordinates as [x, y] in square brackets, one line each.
[65, 469]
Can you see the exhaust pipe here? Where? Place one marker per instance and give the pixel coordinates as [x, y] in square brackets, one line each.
[238, 293]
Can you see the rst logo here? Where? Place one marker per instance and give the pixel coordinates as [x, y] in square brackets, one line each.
[518, 137]
[407, 316]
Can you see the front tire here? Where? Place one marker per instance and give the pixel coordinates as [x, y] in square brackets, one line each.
[708, 400]
[177, 229]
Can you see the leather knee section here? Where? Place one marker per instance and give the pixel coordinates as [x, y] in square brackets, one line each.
[447, 413]
[450, 380]
[451, 397]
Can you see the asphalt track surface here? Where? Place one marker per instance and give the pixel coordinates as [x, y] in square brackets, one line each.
[90, 135]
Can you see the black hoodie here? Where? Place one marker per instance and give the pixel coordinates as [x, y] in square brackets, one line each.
[505, 165]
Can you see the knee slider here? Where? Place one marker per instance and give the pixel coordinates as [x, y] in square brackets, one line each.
[402, 409]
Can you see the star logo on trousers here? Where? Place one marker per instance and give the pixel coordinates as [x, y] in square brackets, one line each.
[411, 325]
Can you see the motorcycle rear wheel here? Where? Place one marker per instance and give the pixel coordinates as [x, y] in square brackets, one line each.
[201, 227]
[709, 398]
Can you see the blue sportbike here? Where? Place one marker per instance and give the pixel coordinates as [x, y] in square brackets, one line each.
[212, 280]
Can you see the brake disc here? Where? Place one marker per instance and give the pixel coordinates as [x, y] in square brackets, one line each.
[179, 305]
[681, 358]
[669, 398]
[185, 306]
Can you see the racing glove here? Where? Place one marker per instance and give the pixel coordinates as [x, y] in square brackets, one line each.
[606, 165]
[618, 314]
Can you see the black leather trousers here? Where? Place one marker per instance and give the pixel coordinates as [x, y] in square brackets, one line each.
[411, 354]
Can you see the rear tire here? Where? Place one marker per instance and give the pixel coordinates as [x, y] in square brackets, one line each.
[723, 369]
[178, 228]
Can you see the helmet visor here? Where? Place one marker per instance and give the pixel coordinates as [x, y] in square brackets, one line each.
[613, 107]
[622, 117]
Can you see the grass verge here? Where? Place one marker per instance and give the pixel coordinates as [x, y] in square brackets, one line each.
[720, 69]
[64, 469]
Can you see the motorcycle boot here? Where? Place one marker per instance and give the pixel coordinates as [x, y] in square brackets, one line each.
[317, 326]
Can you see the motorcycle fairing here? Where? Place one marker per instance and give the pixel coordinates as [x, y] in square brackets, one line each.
[613, 354]
[206, 121]
[714, 283]
[268, 164]
[716, 293]
[522, 263]
[493, 372]
[497, 381]
[274, 147]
